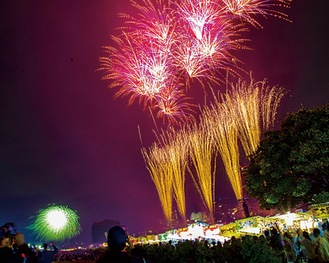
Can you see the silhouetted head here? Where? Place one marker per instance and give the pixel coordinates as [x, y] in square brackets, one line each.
[267, 232]
[117, 238]
[274, 231]
[287, 235]
[306, 235]
[2, 234]
[316, 232]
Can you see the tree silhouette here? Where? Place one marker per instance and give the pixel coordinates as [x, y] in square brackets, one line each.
[291, 165]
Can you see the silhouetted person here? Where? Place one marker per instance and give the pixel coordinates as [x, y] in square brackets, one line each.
[48, 254]
[305, 240]
[276, 243]
[321, 245]
[6, 254]
[288, 246]
[117, 240]
[13, 248]
[245, 209]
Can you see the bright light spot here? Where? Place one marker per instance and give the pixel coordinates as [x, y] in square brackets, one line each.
[56, 219]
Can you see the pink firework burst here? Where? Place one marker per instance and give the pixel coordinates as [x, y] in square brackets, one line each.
[199, 14]
[144, 73]
[156, 21]
[247, 9]
[204, 58]
[167, 43]
[142, 67]
[174, 105]
[139, 72]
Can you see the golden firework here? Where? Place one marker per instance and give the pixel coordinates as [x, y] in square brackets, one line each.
[255, 109]
[221, 122]
[160, 169]
[202, 155]
[247, 104]
[176, 143]
[270, 100]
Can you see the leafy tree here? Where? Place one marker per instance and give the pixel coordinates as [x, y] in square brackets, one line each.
[321, 198]
[291, 165]
[257, 251]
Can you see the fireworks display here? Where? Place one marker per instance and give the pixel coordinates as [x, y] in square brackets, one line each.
[270, 99]
[56, 223]
[178, 154]
[158, 163]
[243, 113]
[248, 9]
[246, 99]
[202, 157]
[158, 52]
[255, 109]
[220, 120]
[167, 43]
[167, 161]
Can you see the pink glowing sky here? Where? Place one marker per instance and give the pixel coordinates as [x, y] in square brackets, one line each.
[65, 140]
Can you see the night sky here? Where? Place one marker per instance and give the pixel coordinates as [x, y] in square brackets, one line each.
[65, 140]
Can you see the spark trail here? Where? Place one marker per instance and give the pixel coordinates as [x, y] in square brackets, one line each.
[247, 10]
[177, 154]
[202, 155]
[221, 122]
[160, 169]
[255, 110]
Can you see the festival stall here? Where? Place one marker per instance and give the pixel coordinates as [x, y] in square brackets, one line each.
[316, 216]
[229, 230]
[320, 211]
[250, 225]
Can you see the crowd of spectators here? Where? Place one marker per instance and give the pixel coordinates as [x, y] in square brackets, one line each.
[271, 247]
[246, 249]
[89, 255]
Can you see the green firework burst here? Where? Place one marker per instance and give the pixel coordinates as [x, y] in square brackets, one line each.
[56, 223]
